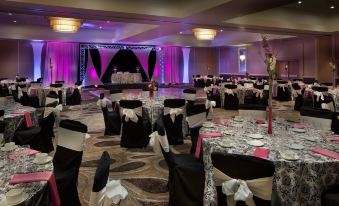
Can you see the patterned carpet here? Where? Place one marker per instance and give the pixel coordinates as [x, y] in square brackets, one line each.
[141, 171]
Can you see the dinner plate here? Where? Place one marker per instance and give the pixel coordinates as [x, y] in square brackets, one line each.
[208, 124]
[289, 155]
[298, 130]
[256, 143]
[295, 146]
[310, 138]
[4, 202]
[237, 125]
[255, 136]
[48, 159]
[226, 143]
[238, 119]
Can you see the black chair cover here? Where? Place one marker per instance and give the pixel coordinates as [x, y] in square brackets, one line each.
[316, 112]
[330, 197]
[283, 93]
[66, 166]
[174, 130]
[186, 176]
[134, 135]
[102, 172]
[242, 167]
[194, 131]
[335, 123]
[39, 138]
[74, 98]
[112, 120]
[231, 101]
[214, 95]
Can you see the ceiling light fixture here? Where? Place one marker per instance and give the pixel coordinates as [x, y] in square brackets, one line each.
[10, 14]
[180, 32]
[100, 27]
[65, 25]
[14, 21]
[204, 34]
[332, 7]
[300, 2]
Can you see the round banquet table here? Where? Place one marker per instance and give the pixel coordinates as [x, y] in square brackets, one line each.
[13, 120]
[299, 182]
[41, 93]
[37, 192]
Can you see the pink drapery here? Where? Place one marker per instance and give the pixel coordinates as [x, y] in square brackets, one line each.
[171, 55]
[64, 58]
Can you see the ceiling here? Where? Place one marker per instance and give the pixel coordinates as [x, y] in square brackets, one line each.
[169, 22]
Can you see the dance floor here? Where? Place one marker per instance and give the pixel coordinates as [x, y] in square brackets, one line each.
[142, 173]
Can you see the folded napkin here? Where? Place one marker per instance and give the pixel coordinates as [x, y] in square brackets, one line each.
[334, 138]
[261, 153]
[299, 126]
[224, 122]
[23, 152]
[325, 152]
[260, 121]
[27, 118]
[39, 176]
[207, 135]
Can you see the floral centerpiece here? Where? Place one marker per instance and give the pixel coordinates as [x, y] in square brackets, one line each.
[271, 62]
[334, 69]
[152, 87]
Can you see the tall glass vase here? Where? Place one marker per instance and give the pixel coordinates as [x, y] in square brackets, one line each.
[270, 113]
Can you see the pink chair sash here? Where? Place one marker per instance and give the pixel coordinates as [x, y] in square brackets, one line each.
[27, 118]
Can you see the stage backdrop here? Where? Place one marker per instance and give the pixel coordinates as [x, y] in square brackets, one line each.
[97, 62]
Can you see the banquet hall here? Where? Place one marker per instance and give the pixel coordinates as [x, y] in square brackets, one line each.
[179, 103]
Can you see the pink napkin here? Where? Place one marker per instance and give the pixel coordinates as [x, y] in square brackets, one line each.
[207, 135]
[39, 176]
[260, 121]
[224, 122]
[299, 126]
[325, 152]
[334, 139]
[27, 118]
[261, 153]
[23, 152]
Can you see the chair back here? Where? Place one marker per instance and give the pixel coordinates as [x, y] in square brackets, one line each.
[319, 118]
[190, 94]
[196, 115]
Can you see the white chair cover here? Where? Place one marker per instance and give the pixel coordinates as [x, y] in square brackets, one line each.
[157, 140]
[229, 91]
[111, 194]
[243, 190]
[173, 112]
[102, 103]
[71, 139]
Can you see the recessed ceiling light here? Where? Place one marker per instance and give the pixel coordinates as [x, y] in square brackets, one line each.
[108, 22]
[10, 14]
[100, 27]
[300, 2]
[332, 6]
[221, 30]
[180, 32]
[14, 21]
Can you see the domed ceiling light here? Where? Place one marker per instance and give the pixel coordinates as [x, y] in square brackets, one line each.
[204, 34]
[65, 25]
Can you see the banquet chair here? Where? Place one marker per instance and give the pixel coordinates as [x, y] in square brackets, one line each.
[51, 106]
[112, 119]
[283, 92]
[116, 96]
[196, 115]
[39, 138]
[321, 98]
[231, 100]
[319, 118]
[214, 95]
[135, 131]
[330, 197]
[174, 110]
[186, 177]
[67, 160]
[190, 95]
[58, 88]
[242, 167]
[297, 96]
[209, 81]
[200, 82]
[335, 123]
[25, 98]
[74, 98]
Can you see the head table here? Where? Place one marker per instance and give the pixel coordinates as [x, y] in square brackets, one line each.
[19, 161]
[297, 182]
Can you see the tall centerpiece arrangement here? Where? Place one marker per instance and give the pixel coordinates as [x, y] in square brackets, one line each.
[271, 62]
[334, 70]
